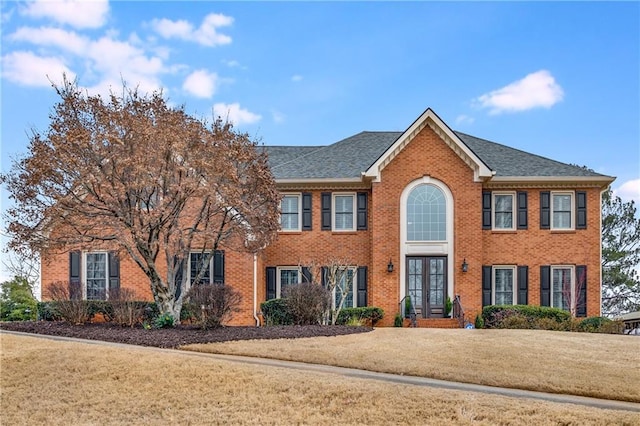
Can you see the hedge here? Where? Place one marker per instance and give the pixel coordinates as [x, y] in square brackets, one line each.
[504, 316]
[276, 312]
[369, 314]
[47, 311]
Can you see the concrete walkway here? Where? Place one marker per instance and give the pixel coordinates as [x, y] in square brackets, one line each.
[371, 375]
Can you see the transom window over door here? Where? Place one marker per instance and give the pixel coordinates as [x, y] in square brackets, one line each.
[426, 214]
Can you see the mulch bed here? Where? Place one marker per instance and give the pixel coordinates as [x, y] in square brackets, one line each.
[174, 337]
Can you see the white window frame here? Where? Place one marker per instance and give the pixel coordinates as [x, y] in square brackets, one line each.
[572, 211]
[278, 277]
[354, 212]
[514, 282]
[572, 286]
[354, 289]
[205, 253]
[299, 196]
[494, 222]
[84, 279]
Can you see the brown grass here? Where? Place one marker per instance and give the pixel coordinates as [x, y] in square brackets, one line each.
[596, 365]
[50, 382]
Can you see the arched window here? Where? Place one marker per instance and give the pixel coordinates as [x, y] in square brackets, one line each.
[426, 214]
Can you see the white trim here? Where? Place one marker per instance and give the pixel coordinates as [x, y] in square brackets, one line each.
[292, 194]
[319, 180]
[572, 213]
[354, 211]
[427, 248]
[572, 269]
[514, 210]
[431, 119]
[286, 268]
[255, 290]
[605, 180]
[514, 282]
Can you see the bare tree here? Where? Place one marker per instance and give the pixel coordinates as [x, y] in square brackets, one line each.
[134, 174]
[25, 265]
[333, 273]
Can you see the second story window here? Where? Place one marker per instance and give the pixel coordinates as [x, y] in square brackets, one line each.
[503, 211]
[561, 204]
[343, 212]
[290, 212]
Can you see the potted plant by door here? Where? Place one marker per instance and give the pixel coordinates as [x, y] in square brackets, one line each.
[448, 306]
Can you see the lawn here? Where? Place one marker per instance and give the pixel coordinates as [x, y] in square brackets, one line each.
[595, 365]
[52, 382]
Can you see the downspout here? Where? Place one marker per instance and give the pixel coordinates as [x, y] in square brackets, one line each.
[255, 289]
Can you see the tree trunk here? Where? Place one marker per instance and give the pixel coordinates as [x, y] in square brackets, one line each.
[166, 301]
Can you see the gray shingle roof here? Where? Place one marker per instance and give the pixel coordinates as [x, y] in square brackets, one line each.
[350, 157]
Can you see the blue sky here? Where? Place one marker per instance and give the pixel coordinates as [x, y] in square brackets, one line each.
[558, 79]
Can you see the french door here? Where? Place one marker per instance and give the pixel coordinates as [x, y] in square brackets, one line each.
[427, 285]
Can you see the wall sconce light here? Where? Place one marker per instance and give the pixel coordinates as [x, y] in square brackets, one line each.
[390, 266]
[465, 266]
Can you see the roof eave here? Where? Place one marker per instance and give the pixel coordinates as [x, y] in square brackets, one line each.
[585, 181]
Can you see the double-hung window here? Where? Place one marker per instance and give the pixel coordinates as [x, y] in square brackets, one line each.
[503, 208]
[344, 291]
[290, 207]
[504, 285]
[96, 274]
[203, 271]
[562, 210]
[343, 212]
[287, 276]
[562, 287]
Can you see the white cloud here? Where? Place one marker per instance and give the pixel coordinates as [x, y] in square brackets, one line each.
[77, 13]
[231, 63]
[235, 114]
[296, 78]
[56, 37]
[464, 119]
[29, 69]
[629, 190]
[206, 35]
[201, 84]
[536, 90]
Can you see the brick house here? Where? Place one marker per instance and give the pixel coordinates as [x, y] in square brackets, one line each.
[428, 213]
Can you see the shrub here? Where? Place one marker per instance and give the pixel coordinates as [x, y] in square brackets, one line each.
[398, 321]
[368, 315]
[307, 303]
[47, 312]
[164, 321]
[211, 305]
[601, 325]
[69, 306]
[124, 310]
[479, 322]
[276, 312]
[495, 315]
[448, 306]
[16, 301]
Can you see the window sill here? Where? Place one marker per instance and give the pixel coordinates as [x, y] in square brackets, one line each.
[290, 232]
[504, 231]
[353, 232]
[563, 231]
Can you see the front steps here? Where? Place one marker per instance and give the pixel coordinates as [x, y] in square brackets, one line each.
[433, 323]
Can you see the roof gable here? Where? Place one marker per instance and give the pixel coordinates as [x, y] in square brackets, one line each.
[431, 119]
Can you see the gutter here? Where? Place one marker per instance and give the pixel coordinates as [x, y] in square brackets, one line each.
[255, 289]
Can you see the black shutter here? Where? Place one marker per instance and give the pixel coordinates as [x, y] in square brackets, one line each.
[362, 210]
[523, 285]
[114, 274]
[75, 273]
[522, 209]
[218, 267]
[362, 286]
[486, 285]
[545, 210]
[325, 199]
[581, 210]
[306, 275]
[545, 285]
[324, 276]
[271, 282]
[179, 275]
[306, 211]
[486, 209]
[581, 283]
